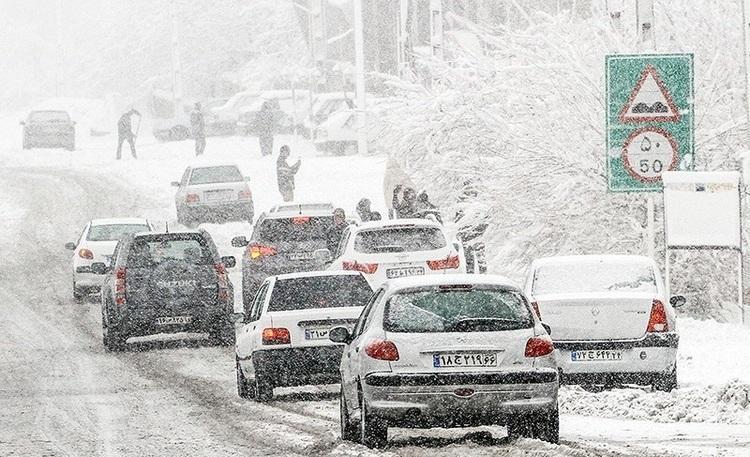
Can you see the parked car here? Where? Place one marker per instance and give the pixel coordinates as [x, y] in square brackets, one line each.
[447, 351]
[284, 240]
[396, 248]
[611, 319]
[213, 193]
[284, 340]
[294, 111]
[166, 282]
[51, 129]
[96, 244]
[225, 117]
[324, 105]
[213, 126]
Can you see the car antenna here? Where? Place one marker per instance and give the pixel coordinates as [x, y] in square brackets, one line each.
[166, 226]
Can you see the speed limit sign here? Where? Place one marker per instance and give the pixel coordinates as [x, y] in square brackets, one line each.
[648, 152]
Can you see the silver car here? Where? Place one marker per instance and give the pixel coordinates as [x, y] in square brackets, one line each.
[447, 351]
[213, 193]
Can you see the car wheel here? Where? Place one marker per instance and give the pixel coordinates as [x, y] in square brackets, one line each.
[666, 382]
[26, 144]
[547, 427]
[243, 389]
[519, 427]
[349, 430]
[78, 295]
[113, 340]
[223, 336]
[373, 430]
[263, 387]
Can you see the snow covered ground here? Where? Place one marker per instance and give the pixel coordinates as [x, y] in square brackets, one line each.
[64, 395]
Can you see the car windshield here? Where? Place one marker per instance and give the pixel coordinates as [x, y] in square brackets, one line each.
[211, 175]
[154, 251]
[112, 232]
[593, 276]
[49, 116]
[399, 239]
[457, 309]
[319, 292]
[297, 228]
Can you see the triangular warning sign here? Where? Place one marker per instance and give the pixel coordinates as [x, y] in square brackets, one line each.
[650, 101]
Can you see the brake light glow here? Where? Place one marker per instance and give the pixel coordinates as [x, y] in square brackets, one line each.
[223, 282]
[535, 307]
[368, 268]
[244, 195]
[257, 251]
[449, 263]
[657, 321]
[299, 220]
[120, 276]
[278, 335]
[85, 254]
[538, 347]
[382, 350]
[192, 198]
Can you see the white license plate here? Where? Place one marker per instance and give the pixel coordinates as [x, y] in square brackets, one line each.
[404, 271]
[482, 359]
[174, 320]
[301, 256]
[317, 333]
[602, 355]
[218, 196]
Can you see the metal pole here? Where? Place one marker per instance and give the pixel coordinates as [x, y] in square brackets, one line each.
[176, 64]
[644, 12]
[436, 28]
[667, 272]
[359, 70]
[746, 51]
[58, 73]
[650, 226]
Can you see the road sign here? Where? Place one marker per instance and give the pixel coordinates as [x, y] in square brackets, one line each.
[649, 119]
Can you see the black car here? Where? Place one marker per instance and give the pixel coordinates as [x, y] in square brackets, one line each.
[52, 129]
[166, 283]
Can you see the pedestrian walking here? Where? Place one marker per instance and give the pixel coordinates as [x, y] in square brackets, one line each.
[405, 206]
[285, 174]
[471, 225]
[125, 132]
[365, 213]
[267, 125]
[337, 230]
[198, 126]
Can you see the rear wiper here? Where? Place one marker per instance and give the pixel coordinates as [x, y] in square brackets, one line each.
[496, 323]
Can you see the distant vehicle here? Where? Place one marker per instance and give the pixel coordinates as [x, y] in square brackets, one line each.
[284, 341]
[213, 127]
[51, 129]
[396, 248]
[213, 193]
[610, 317]
[294, 110]
[289, 238]
[337, 135]
[326, 104]
[96, 244]
[447, 351]
[166, 283]
[225, 117]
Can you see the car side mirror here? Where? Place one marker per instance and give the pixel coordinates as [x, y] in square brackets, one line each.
[229, 261]
[340, 335]
[239, 242]
[322, 256]
[175, 184]
[677, 300]
[70, 246]
[547, 328]
[247, 178]
[98, 268]
[238, 317]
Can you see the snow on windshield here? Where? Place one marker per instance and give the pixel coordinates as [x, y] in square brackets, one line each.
[211, 175]
[112, 232]
[409, 239]
[598, 276]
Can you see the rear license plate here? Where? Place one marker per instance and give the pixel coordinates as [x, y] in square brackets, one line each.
[405, 271]
[317, 333]
[218, 195]
[171, 320]
[604, 355]
[300, 256]
[486, 359]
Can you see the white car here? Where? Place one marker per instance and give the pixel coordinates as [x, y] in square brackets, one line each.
[284, 340]
[213, 193]
[96, 244]
[396, 248]
[447, 351]
[610, 317]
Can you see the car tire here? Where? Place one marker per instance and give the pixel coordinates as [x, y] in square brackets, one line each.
[113, 340]
[519, 427]
[223, 336]
[263, 387]
[349, 429]
[666, 382]
[373, 430]
[26, 143]
[78, 295]
[244, 390]
[545, 427]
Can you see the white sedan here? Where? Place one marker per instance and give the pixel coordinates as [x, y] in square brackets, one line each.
[610, 318]
[96, 244]
[447, 351]
[396, 248]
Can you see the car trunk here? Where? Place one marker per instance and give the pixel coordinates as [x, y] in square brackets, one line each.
[310, 327]
[172, 288]
[218, 192]
[398, 264]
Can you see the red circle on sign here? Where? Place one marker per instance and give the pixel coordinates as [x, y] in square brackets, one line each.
[626, 157]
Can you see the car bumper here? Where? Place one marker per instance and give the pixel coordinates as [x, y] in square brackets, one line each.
[138, 322]
[238, 210]
[286, 367]
[460, 399]
[83, 277]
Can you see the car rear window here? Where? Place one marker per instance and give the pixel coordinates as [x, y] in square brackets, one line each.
[399, 239]
[49, 116]
[154, 251]
[211, 175]
[593, 276]
[319, 292]
[113, 232]
[439, 310]
[298, 228]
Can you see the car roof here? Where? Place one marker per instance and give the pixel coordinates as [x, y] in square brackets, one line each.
[120, 221]
[388, 223]
[213, 165]
[572, 259]
[200, 232]
[395, 285]
[292, 209]
[315, 274]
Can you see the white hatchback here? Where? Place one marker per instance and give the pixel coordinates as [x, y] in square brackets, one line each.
[447, 351]
[610, 318]
[284, 340]
[96, 244]
[391, 249]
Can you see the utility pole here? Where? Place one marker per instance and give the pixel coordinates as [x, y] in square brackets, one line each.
[359, 77]
[176, 64]
[644, 13]
[746, 50]
[436, 28]
[59, 72]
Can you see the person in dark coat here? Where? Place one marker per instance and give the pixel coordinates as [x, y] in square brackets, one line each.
[471, 231]
[365, 213]
[406, 206]
[427, 209]
[267, 124]
[285, 174]
[125, 132]
[198, 126]
[337, 231]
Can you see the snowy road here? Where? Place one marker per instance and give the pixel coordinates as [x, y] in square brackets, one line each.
[62, 394]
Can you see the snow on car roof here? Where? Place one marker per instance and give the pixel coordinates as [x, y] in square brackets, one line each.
[198, 164]
[120, 221]
[447, 280]
[388, 223]
[301, 208]
[313, 274]
[572, 259]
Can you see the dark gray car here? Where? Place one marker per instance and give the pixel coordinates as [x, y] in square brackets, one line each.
[52, 129]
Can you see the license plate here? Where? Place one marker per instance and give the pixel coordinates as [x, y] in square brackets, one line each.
[218, 196]
[604, 355]
[171, 320]
[300, 256]
[317, 333]
[405, 271]
[485, 359]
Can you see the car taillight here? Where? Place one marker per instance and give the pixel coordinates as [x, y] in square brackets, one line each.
[192, 198]
[368, 268]
[278, 335]
[449, 263]
[85, 254]
[535, 307]
[222, 281]
[657, 321]
[244, 195]
[300, 220]
[382, 350]
[538, 346]
[257, 251]
[120, 276]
